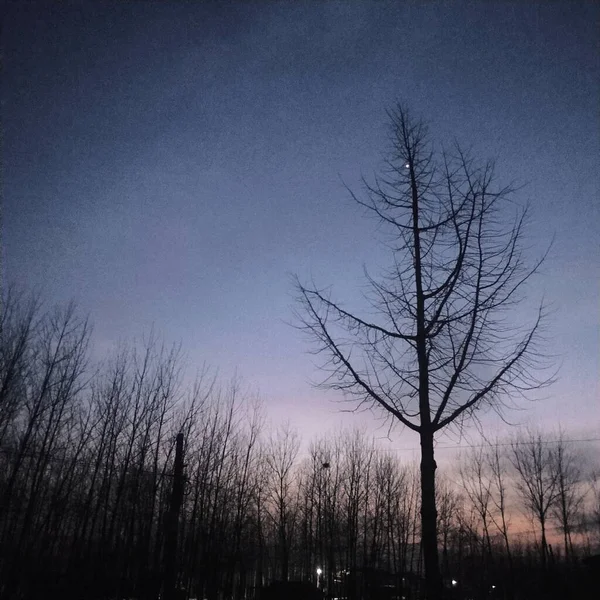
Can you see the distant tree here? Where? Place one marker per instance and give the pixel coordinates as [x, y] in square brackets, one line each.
[358, 459]
[570, 493]
[448, 504]
[592, 516]
[537, 481]
[280, 458]
[477, 484]
[440, 339]
[20, 318]
[498, 465]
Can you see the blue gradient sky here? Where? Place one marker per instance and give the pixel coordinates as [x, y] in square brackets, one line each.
[171, 163]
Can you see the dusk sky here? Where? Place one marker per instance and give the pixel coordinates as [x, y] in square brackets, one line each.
[171, 164]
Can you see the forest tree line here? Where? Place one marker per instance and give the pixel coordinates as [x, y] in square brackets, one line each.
[86, 459]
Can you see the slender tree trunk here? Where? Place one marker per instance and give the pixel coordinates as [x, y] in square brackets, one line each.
[285, 559]
[171, 543]
[544, 542]
[433, 580]
[260, 554]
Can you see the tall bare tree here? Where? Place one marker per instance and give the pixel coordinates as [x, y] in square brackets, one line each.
[497, 464]
[537, 480]
[476, 482]
[280, 459]
[570, 491]
[592, 518]
[439, 339]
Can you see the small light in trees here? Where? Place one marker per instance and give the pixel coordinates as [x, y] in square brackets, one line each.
[319, 570]
[454, 583]
[407, 166]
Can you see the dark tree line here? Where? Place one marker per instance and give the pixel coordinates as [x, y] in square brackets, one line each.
[86, 462]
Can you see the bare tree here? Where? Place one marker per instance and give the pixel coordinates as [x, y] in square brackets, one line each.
[358, 459]
[280, 459]
[449, 505]
[19, 320]
[569, 490]
[537, 480]
[592, 518]
[436, 343]
[497, 464]
[476, 481]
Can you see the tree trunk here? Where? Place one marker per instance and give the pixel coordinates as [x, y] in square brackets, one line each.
[172, 525]
[433, 582]
[285, 558]
[544, 542]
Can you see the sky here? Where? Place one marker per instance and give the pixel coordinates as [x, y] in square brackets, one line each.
[172, 164]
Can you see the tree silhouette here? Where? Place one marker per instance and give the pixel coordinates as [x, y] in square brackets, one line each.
[537, 481]
[439, 340]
